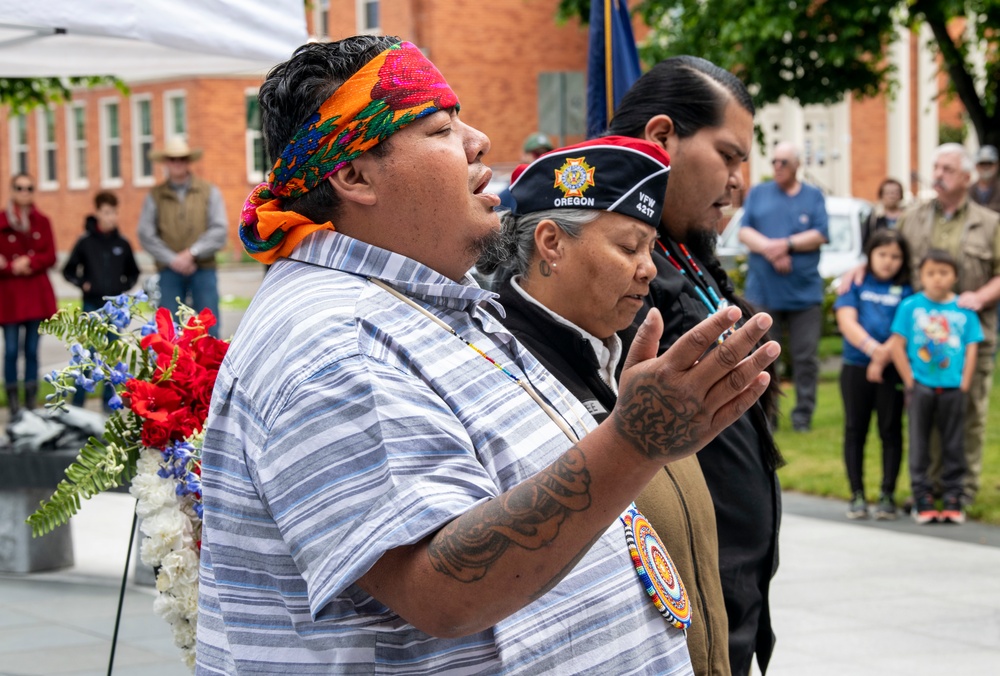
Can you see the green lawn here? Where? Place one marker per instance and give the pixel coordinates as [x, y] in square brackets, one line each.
[815, 458]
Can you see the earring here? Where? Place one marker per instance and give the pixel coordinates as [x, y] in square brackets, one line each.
[543, 268]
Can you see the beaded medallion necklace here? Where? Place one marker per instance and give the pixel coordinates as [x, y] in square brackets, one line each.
[652, 563]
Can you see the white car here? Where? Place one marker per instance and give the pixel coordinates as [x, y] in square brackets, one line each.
[842, 253]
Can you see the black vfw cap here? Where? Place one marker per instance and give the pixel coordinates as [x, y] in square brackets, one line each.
[613, 173]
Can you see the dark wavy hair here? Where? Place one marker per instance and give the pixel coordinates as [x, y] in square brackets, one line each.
[694, 93]
[882, 237]
[294, 91]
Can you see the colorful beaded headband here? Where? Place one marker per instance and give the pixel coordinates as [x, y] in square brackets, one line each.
[396, 88]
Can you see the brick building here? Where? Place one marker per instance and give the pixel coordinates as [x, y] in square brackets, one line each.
[514, 68]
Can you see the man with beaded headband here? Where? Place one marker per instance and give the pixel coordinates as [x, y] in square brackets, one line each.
[375, 491]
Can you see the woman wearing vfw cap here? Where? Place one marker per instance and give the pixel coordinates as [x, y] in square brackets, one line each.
[579, 248]
[27, 251]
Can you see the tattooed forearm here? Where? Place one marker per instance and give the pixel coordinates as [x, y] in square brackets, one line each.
[658, 426]
[529, 515]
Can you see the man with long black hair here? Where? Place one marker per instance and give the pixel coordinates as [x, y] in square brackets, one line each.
[703, 116]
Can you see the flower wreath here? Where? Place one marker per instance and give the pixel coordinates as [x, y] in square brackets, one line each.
[162, 373]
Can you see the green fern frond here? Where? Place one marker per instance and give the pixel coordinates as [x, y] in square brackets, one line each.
[100, 465]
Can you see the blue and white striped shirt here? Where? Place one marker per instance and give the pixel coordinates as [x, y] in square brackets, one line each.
[344, 424]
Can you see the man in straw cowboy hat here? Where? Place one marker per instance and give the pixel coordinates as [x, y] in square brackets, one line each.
[182, 226]
[377, 495]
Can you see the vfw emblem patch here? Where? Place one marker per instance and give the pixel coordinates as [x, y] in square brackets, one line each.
[574, 177]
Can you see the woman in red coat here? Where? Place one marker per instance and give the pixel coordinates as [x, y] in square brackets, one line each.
[27, 251]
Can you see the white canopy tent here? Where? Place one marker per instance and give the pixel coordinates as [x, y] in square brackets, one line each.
[147, 39]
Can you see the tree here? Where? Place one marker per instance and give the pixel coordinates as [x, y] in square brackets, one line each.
[816, 51]
[24, 93]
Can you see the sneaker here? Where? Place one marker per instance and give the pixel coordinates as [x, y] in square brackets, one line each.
[886, 510]
[924, 511]
[952, 512]
[858, 509]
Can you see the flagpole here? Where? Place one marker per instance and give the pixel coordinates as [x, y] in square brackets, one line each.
[609, 86]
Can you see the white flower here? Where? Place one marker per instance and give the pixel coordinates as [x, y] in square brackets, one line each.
[168, 607]
[149, 461]
[178, 568]
[189, 655]
[166, 531]
[153, 494]
[184, 634]
[187, 600]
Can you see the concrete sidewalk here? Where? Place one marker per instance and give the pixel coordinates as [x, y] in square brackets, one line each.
[849, 598]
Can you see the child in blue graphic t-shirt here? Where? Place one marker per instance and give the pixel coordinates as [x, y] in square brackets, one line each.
[934, 348]
[868, 380]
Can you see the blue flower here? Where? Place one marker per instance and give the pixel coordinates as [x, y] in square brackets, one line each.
[148, 328]
[115, 402]
[86, 383]
[141, 296]
[119, 374]
[79, 354]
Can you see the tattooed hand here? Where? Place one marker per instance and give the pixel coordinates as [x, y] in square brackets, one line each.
[671, 406]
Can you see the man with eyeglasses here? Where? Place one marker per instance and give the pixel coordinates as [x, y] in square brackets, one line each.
[784, 225]
[971, 234]
[27, 251]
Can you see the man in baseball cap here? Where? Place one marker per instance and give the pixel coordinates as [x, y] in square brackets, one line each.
[536, 145]
[986, 189]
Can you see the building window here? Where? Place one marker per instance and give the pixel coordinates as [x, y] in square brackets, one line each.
[142, 139]
[256, 161]
[48, 177]
[76, 144]
[321, 19]
[19, 144]
[176, 115]
[111, 144]
[368, 19]
[562, 105]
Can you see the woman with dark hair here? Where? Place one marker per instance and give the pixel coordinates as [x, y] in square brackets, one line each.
[27, 251]
[580, 272]
[702, 116]
[887, 210]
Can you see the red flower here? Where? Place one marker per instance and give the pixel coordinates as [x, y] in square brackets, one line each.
[183, 423]
[209, 352]
[155, 435]
[197, 327]
[202, 386]
[405, 81]
[183, 371]
[151, 402]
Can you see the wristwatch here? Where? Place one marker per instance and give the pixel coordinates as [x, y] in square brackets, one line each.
[791, 249]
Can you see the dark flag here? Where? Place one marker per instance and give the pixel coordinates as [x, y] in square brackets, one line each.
[613, 62]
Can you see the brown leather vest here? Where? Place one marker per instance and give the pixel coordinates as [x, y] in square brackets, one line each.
[180, 224]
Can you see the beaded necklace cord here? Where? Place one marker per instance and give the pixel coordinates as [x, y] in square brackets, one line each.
[651, 562]
[523, 384]
[711, 301]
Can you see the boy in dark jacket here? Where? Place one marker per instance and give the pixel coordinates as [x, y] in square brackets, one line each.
[101, 264]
